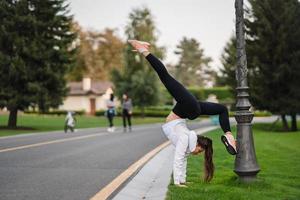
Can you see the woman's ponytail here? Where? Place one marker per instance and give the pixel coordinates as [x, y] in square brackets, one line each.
[209, 167]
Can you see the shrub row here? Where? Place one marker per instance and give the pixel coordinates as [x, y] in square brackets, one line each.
[257, 113]
[148, 112]
[54, 112]
[163, 113]
[223, 94]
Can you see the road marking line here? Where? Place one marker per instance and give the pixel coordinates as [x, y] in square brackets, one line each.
[49, 142]
[107, 191]
[137, 127]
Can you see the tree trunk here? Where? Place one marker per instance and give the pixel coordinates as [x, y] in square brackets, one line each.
[274, 123]
[294, 122]
[12, 120]
[284, 123]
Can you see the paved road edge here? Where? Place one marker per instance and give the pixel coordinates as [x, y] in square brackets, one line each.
[109, 190]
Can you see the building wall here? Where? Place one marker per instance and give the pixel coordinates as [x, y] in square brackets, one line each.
[76, 103]
[83, 102]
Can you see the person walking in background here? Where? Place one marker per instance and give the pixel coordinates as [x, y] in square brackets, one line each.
[70, 122]
[110, 113]
[126, 112]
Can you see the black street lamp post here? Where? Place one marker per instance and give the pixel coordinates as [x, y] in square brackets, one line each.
[246, 166]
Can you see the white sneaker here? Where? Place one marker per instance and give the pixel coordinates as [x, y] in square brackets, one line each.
[139, 46]
[229, 142]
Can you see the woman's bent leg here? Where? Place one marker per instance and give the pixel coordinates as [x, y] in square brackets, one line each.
[208, 108]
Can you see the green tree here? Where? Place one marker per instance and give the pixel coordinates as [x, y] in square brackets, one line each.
[193, 66]
[35, 53]
[273, 28]
[83, 56]
[137, 78]
[52, 40]
[228, 60]
[98, 53]
[109, 53]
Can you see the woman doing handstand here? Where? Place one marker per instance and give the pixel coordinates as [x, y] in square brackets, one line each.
[187, 107]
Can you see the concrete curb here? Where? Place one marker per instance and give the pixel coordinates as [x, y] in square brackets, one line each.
[110, 190]
[152, 179]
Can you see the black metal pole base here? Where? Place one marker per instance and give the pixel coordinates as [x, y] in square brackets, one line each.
[247, 179]
[246, 166]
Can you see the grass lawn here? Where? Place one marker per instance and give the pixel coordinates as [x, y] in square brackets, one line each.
[40, 123]
[278, 155]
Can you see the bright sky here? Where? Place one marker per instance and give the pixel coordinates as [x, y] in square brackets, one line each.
[211, 22]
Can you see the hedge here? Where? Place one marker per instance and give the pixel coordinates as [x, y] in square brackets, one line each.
[153, 111]
[256, 113]
[54, 112]
[223, 94]
[148, 112]
[156, 112]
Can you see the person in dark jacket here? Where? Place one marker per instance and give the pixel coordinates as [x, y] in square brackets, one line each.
[126, 112]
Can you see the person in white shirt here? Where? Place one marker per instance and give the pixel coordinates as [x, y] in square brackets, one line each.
[187, 142]
[70, 122]
[187, 107]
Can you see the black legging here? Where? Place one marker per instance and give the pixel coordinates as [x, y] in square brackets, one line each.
[187, 105]
[110, 118]
[126, 115]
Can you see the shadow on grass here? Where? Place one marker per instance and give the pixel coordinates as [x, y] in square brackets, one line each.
[235, 181]
[25, 128]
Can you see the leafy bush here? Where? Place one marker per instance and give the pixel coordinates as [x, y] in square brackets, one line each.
[152, 113]
[197, 92]
[163, 107]
[148, 112]
[222, 93]
[257, 113]
[54, 112]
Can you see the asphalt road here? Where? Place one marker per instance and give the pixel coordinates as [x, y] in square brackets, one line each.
[71, 166]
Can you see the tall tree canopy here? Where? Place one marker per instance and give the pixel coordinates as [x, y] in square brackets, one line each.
[98, 53]
[273, 28]
[228, 60]
[273, 52]
[137, 78]
[193, 66]
[35, 53]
